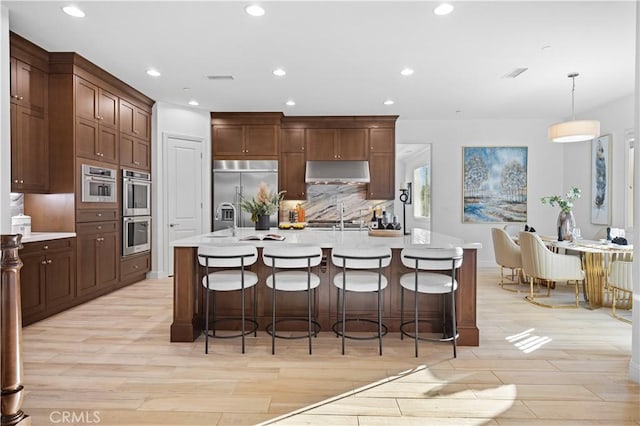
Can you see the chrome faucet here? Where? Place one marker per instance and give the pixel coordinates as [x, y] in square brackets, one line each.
[235, 216]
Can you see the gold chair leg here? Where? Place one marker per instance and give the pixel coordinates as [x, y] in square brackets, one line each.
[532, 297]
[615, 294]
[514, 271]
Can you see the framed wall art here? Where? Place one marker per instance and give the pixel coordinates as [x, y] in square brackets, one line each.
[494, 184]
[601, 180]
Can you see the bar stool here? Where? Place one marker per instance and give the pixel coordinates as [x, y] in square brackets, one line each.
[354, 262]
[237, 256]
[293, 257]
[422, 259]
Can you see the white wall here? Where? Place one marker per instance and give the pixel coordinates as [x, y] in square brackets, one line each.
[5, 119]
[545, 171]
[180, 121]
[615, 118]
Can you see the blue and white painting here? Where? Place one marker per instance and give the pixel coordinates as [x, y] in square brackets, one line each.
[495, 184]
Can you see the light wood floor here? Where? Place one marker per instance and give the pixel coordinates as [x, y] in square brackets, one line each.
[110, 362]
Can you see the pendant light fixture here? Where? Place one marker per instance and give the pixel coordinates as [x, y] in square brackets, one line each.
[574, 130]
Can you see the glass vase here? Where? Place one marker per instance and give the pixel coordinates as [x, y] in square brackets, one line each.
[566, 223]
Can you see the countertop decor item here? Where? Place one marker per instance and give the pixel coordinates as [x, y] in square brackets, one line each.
[566, 221]
[264, 204]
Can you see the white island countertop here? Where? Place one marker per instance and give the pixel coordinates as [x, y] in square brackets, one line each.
[327, 238]
[35, 237]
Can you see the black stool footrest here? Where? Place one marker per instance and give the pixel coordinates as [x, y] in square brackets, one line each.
[213, 330]
[338, 330]
[428, 339]
[316, 326]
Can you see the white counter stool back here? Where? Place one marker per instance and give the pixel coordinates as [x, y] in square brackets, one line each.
[233, 259]
[357, 275]
[422, 260]
[302, 258]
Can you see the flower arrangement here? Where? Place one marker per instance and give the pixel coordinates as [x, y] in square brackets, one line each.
[566, 203]
[265, 202]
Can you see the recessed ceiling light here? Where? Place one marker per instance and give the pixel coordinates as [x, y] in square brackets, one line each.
[73, 11]
[186, 89]
[153, 73]
[443, 9]
[194, 102]
[290, 103]
[389, 102]
[279, 72]
[254, 10]
[406, 71]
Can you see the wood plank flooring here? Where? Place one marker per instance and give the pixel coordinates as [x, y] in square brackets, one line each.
[110, 362]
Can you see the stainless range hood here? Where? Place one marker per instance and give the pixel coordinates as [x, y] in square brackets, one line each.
[326, 172]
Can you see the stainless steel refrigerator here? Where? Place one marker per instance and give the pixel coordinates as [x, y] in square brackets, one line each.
[234, 179]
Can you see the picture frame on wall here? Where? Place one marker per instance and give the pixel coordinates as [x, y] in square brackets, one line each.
[601, 180]
[494, 184]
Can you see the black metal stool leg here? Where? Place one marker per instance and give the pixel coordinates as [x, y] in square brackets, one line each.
[401, 311]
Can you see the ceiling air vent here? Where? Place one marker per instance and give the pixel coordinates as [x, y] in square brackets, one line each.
[516, 72]
[220, 77]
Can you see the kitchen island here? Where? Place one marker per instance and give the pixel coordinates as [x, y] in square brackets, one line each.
[188, 292]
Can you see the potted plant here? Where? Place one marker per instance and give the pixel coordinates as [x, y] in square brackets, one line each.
[566, 220]
[264, 204]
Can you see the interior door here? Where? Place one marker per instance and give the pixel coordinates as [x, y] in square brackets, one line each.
[184, 191]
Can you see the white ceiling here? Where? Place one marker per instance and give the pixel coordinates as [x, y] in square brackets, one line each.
[344, 58]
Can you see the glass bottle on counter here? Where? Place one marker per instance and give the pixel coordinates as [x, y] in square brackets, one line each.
[374, 220]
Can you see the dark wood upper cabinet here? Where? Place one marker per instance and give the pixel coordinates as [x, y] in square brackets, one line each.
[336, 144]
[135, 152]
[29, 93]
[292, 140]
[245, 135]
[134, 121]
[383, 175]
[382, 140]
[291, 175]
[28, 85]
[321, 144]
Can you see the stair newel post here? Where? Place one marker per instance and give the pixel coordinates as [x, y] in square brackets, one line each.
[11, 338]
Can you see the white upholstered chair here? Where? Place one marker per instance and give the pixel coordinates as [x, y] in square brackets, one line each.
[541, 264]
[507, 254]
[621, 285]
[513, 229]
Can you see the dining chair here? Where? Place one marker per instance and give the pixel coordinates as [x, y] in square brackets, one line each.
[508, 255]
[621, 284]
[541, 264]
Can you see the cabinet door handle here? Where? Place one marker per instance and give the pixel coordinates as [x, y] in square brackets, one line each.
[15, 181]
[137, 163]
[45, 248]
[99, 214]
[49, 261]
[135, 266]
[44, 262]
[21, 181]
[20, 98]
[99, 227]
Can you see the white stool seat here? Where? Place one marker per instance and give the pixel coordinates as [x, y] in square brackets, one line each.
[293, 281]
[428, 282]
[230, 280]
[360, 281]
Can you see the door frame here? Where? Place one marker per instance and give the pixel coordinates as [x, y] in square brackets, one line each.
[161, 250]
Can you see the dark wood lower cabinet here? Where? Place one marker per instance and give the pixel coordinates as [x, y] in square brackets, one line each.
[47, 278]
[98, 257]
[134, 268]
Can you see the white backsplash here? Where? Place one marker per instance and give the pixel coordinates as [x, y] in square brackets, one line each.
[322, 201]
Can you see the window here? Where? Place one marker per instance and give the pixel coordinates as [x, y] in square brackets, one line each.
[422, 192]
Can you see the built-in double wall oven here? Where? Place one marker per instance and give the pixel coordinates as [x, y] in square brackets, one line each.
[136, 212]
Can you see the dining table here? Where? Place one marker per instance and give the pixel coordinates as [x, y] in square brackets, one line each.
[596, 257]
